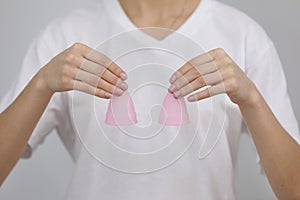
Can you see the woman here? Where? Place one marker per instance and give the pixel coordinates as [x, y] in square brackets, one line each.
[239, 51]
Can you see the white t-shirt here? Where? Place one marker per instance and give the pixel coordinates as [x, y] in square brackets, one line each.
[138, 164]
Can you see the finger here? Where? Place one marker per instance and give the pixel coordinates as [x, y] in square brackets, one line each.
[115, 69]
[207, 68]
[193, 74]
[109, 88]
[197, 61]
[114, 80]
[95, 56]
[86, 88]
[208, 79]
[202, 59]
[184, 80]
[218, 53]
[95, 81]
[102, 72]
[180, 72]
[213, 78]
[189, 88]
[101, 59]
[209, 92]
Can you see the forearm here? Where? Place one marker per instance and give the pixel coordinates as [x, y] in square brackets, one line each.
[279, 153]
[18, 121]
[75, 68]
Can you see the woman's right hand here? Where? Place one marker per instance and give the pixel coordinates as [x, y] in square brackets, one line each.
[84, 69]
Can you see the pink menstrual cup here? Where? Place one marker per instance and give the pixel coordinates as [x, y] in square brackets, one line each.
[121, 111]
[174, 111]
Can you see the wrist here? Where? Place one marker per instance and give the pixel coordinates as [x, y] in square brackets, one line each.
[40, 84]
[253, 99]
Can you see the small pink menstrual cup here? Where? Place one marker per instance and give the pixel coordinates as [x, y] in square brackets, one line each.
[174, 111]
[121, 111]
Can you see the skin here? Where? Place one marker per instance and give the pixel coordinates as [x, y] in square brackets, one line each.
[76, 68]
[157, 13]
[279, 153]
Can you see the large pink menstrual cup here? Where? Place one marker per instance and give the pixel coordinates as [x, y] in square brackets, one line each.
[121, 111]
[174, 111]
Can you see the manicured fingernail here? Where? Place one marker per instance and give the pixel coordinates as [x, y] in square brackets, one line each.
[118, 92]
[172, 79]
[177, 94]
[108, 95]
[172, 88]
[123, 76]
[123, 86]
[191, 98]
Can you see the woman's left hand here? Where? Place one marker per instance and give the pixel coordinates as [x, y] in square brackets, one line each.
[219, 72]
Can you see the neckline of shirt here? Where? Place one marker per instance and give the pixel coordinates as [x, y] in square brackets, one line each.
[114, 8]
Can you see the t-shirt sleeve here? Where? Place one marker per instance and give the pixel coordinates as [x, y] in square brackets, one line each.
[38, 54]
[264, 68]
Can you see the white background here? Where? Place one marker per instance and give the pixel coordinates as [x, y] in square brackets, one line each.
[46, 175]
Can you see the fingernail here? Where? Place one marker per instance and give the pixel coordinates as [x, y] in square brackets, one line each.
[172, 79]
[172, 88]
[108, 95]
[123, 86]
[123, 76]
[118, 92]
[191, 98]
[177, 94]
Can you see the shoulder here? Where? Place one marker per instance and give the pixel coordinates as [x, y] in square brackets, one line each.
[232, 20]
[230, 15]
[83, 16]
[82, 19]
[76, 26]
